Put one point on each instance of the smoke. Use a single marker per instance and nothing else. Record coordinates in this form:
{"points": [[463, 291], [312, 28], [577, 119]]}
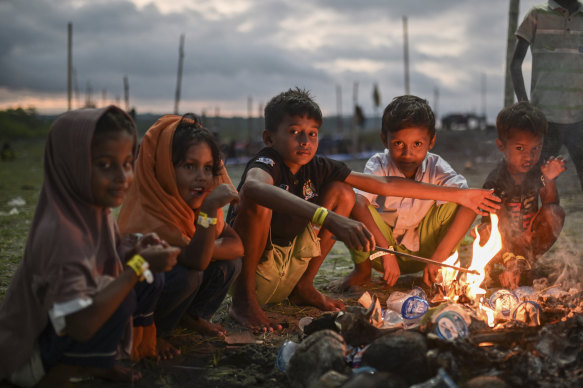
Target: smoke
{"points": [[563, 265]]}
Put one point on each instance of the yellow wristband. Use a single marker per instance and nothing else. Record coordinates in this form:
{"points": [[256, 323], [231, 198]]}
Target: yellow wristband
{"points": [[141, 268], [507, 257], [319, 216], [205, 221]]}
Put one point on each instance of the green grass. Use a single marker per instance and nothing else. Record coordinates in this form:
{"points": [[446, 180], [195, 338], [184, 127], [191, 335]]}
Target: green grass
{"points": [[21, 177]]}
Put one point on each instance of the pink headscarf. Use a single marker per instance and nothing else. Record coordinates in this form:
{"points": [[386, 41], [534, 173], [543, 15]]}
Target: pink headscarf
{"points": [[71, 248]]}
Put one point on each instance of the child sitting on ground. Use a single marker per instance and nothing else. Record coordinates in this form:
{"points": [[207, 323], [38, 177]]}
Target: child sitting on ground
{"points": [[178, 195], [520, 179], [70, 300], [424, 227], [293, 201]]}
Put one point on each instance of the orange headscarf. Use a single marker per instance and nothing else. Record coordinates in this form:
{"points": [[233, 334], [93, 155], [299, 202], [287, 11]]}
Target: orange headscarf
{"points": [[153, 203]]}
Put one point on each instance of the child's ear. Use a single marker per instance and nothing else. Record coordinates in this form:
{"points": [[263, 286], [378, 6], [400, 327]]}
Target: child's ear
{"points": [[500, 144], [267, 138], [384, 139], [432, 142]]}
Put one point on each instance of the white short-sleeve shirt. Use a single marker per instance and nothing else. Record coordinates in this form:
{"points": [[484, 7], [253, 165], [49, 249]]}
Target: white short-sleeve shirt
{"points": [[405, 214]]}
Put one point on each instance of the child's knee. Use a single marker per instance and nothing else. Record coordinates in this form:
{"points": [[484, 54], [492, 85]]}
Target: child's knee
{"points": [[339, 197], [552, 218]]}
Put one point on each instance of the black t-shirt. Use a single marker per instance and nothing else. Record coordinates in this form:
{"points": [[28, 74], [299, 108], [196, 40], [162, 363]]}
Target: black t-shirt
{"points": [[307, 183], [520, 201]]}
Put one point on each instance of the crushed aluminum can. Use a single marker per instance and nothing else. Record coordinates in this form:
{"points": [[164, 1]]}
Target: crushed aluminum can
{"points": [[503, 301], [527, 312], [450, 325]]}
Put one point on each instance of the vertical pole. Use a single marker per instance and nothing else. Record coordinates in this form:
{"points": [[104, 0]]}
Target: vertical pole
{"points": [[339, 108], [484, 107], [126, 92], [249, 117], [179, 77], [510, 44], [354, 119], [436, 102], [406, 54], [69, 64]]}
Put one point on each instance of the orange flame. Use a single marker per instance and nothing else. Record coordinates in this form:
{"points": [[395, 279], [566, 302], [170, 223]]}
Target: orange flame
{"points": [[481, 257], [470, 282]]}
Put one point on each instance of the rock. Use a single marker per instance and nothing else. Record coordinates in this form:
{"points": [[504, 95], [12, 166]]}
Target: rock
{"points": [[317, 354], [401, 353]]}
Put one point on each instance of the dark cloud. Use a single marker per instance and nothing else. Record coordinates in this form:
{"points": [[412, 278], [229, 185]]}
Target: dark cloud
{"points": [[257, 52]]}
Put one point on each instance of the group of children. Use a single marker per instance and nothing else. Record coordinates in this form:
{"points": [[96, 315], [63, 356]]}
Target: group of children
{"points": [[172, 256]]}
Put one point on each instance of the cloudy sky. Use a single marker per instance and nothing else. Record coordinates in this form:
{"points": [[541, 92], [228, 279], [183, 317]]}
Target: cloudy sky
{"points": [[236, 49]]}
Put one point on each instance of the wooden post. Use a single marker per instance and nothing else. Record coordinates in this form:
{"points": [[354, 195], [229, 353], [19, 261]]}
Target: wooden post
{"points": [[406, 54], [339, 109], [126, 92], [179, 77], [510, 45], [69, 64]]}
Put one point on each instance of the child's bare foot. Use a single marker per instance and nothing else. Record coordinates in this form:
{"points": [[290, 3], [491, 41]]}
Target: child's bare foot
{"points": [[307, 295], [202, 326], [117, 373], [166, 351], [250, 314]]}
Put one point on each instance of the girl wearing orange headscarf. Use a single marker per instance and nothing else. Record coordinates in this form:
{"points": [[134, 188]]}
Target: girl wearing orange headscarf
{"points": [[179, 190]]}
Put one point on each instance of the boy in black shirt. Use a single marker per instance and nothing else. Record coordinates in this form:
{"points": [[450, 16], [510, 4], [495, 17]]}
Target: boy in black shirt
{"points": [[293, 201]]}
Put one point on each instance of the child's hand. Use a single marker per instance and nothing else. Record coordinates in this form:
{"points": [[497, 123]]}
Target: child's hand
{"points": [[430, 274], [222, 195], [149, 240], [392, 270], [480, 201], [509, 279], [553, 167], [352, 233], [160, 259]]}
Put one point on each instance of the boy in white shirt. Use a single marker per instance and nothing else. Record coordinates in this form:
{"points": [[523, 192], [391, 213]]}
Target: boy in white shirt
{"points": [[426, 228]]}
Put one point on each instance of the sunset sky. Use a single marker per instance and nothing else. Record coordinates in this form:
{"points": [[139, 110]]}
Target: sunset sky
{"points": [[240, 48]]}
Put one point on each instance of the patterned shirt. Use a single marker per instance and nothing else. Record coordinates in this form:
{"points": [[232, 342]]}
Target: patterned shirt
{"points": [[405, 214], [556, 44], [307, 184], [519, 201]]}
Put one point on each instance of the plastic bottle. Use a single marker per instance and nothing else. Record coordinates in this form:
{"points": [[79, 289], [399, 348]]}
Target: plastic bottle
{"points": [[284, 355], [409, 306], [450, 325], [503, 302]]}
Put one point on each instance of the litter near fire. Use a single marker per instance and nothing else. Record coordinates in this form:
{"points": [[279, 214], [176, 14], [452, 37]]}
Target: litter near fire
{"points": [[454, 331]]}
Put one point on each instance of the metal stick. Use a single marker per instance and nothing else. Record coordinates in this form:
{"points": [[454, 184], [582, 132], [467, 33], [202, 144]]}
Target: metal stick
{"points": [[424, 260]]}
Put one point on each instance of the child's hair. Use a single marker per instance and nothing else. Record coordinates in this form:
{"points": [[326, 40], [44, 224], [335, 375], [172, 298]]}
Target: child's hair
{"points": [[114, 120], [523, 116], [294, 102], [190, 132], [408, 111]]}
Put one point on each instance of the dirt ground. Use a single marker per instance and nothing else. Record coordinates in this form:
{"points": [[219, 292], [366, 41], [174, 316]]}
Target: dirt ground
{"points": [[246, 359]]}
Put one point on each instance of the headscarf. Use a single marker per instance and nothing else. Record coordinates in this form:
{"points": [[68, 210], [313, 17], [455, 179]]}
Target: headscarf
{"points": [[71, 248], [153, 203]]}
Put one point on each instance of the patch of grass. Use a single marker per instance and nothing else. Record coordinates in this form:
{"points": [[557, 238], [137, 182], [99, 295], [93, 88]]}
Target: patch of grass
{"points": [[19, 178]]}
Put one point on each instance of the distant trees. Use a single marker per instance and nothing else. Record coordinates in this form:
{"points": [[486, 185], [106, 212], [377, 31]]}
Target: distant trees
{"points": [[22, 123]]}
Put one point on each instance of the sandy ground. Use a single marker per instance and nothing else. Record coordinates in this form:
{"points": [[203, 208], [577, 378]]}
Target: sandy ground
{"points": [[248, 359]]}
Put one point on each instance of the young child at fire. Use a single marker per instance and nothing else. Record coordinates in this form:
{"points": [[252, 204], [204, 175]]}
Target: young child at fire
{"points": [[528, 229], [293, 201], [424, 227], [69, 304], [178, 194]]}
